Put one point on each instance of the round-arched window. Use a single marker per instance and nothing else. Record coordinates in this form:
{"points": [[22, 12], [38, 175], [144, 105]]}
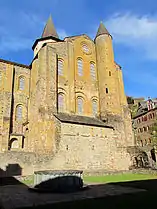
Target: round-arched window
{"points": [[94, 107], [80, 105], [19, 111], [61, 102], [60, 67], [80, 67], [21, 83], [92, 70]]}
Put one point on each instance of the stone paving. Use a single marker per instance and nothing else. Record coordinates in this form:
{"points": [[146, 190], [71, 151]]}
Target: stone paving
{"points": [[18, 196]]}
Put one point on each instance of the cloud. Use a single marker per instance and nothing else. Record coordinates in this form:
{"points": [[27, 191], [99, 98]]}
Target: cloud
{"points": [[62, 33], [138, 32]]}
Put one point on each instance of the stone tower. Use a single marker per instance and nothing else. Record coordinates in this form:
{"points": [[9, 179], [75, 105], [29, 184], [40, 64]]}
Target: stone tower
{"points": [[43, 98], [113, 104], [49, 35], [107, 74]]}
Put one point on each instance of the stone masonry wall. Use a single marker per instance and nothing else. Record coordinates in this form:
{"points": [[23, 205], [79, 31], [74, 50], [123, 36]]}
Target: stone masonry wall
{"points": [[89, 148], [80, 147]]}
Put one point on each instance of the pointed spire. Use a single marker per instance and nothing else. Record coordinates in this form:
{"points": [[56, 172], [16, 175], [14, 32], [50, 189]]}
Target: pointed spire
{"points": [[102, 30], [49, 29]]}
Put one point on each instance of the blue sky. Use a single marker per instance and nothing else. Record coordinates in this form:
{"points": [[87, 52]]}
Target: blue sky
{"points": [[132, 23]]}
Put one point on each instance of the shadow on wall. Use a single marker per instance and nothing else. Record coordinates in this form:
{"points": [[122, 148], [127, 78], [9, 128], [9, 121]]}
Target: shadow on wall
{"points": [[7, 176]]}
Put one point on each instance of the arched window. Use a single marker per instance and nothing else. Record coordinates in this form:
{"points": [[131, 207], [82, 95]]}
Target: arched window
{"points": [[60, 67], [109, 73], [94, 107], [106, 90], [80, 67], [21, 83], [19, 112], [92, 70], [13, 143], [80, 105], [61, 102]]}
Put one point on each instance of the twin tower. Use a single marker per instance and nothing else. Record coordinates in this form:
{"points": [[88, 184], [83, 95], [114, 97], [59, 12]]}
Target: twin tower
{"points": [[109, 89], [75, 77]]}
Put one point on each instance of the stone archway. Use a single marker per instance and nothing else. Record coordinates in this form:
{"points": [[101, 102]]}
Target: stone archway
{"points": [[13, 144], [153, 155]]}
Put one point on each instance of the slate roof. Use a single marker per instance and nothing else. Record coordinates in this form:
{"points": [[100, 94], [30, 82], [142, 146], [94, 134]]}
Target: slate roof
{"points": [[82, 120], [102, 30], [49, 29]]}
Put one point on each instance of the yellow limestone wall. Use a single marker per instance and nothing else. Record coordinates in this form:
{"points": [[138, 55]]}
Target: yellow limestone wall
{"points": [[43, 132]]}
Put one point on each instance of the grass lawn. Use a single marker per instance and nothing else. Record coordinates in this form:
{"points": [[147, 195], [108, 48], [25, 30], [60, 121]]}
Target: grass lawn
{"points": [[107, 178], [118, 178]]}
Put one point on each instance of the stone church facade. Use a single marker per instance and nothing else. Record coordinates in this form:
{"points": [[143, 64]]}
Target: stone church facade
{"points": [[69, 104]]}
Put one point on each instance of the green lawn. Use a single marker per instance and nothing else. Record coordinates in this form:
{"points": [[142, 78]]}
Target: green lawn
{"points": [[118, 178], [107, 178]]}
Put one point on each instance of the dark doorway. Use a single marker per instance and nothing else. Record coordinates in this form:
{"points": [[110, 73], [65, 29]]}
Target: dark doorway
{"points": [[153, 155]]}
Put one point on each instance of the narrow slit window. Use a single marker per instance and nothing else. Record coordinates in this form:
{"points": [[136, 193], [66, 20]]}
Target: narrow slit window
{"points": [[109, 73], [106, 90]]}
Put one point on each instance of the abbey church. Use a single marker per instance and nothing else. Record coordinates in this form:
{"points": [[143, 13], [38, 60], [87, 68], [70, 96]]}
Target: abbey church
{"points": [[68, 104]]}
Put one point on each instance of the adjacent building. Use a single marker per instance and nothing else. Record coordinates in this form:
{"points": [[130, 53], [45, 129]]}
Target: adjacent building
{"points": [[143, 121]]}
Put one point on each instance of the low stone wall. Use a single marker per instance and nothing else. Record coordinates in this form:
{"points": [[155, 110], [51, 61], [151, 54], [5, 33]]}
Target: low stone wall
{"points": [[21, 163], [25, 163]]}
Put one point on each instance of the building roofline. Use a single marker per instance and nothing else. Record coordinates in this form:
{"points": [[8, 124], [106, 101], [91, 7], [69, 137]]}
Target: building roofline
{"points": [[143, 113], [78, 36], [14, 63], [102, 35], [81, 120], [45, 38]]}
